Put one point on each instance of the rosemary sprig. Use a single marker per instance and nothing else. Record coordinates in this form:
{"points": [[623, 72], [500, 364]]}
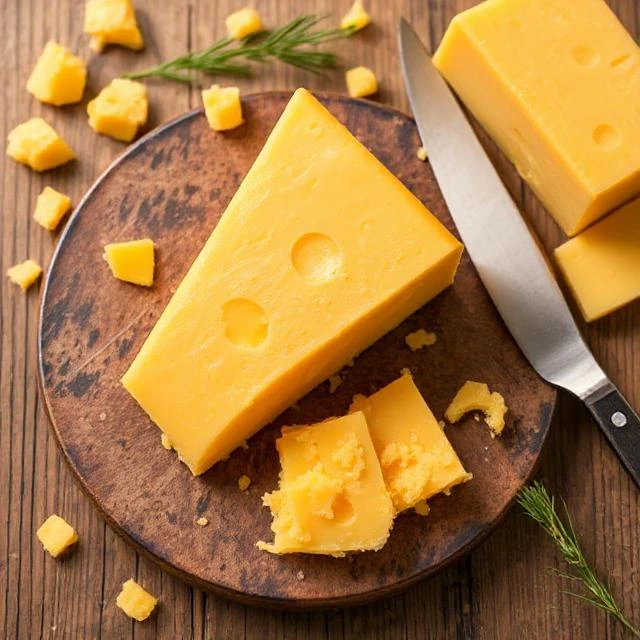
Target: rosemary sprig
{"points": [[537, 503], [292, 44]]}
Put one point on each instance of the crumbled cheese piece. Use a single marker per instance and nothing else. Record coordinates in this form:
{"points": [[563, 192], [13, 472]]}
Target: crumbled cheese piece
{"points": [[419, 339], [51, 206], [244, 445], [59, 77], [37, 144], [476, 417], [421, 508], [356, 18], [244, 482], [135, 601], [103, 416], [442, 423], [56, 535], [334, 382], [243, 23], [350, 363], [421, 154], [25, 273], [202, 521], [166, 443], [112, 22], [475, 396], [361, 82], [300, 576], [222, 107], [131, 261], [405, 371]]}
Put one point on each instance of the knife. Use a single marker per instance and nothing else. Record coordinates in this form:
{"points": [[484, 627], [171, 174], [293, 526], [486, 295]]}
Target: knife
{"points": [[506, 255]]}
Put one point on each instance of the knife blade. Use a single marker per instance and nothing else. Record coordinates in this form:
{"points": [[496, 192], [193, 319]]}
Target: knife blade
{"points": [[506, 255]]}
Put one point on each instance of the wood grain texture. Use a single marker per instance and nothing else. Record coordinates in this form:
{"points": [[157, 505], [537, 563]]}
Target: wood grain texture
{"points": [[502, 590]]}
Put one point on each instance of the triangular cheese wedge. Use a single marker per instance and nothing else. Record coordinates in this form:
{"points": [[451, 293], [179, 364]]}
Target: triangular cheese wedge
{"points": [[320, 252]]}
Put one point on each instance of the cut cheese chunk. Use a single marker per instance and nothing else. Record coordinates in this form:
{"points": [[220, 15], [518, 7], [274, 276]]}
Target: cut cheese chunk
{"points": [[361, 82], [112, 22], [602, 264], [243, 23], [51, 206], [475, 396], [37, 144], [222, 107], [135, 601], [306, 269], [419, 339], [356, 18], [56, 535], [25, 273], [332, 498], [557, 84], [132, 261], [417, 459]]}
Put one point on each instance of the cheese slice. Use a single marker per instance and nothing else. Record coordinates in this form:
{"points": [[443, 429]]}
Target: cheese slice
{"points": [[320, 252], [556, 83], [332, 498], [416, 457], [602, 264]]}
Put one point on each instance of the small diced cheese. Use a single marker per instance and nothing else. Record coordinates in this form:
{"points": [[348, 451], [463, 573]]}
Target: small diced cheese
{"points": [[36, 144], [131, 261], [135, 601], [119, 110], [361, 82], [356, 18], [202, 521], [166, 443], [420, 338], [421, 508], [112, 22], [243, 23], [244, 482], [602, 264], [25, 273], [59, 77], [51, 207], [475, 396], [222, 107], [56, 535], [334, 382]]}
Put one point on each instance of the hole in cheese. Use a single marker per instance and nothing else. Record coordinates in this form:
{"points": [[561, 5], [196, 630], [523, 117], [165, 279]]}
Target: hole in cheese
{"points": [[585, 56], [343, 512], [246, 323], [606, 136], [316, 257]]}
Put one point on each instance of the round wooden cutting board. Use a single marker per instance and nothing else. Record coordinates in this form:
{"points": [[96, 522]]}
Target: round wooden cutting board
{"points": [[173, 186]]}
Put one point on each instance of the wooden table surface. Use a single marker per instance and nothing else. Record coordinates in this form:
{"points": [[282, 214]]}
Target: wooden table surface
{"points": [[502, 590]]}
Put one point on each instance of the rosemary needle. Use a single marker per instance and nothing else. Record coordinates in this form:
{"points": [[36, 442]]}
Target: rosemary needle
{"points": [[537, 503], [292, 44]]}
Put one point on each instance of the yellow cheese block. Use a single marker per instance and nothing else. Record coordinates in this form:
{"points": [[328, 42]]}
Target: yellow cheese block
{"points": [[112, 22], [25, 273], [38, 145], [51, 206], [602, 264], [306, 269], [56, 535], [131, 261], [361, 82], [243, 23], [135, 601], [356, 18], [557, 84], [475, 396], [332, 497], [417, 459], [222, 107]]}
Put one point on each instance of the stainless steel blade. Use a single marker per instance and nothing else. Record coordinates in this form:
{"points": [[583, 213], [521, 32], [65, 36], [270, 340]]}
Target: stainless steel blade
{"points": [[505, 254]]}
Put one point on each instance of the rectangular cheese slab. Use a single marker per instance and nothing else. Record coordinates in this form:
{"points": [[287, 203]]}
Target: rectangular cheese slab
{"points": [[602, 264], [556, 83], [332, 498], [320, 252], [416, 457]]}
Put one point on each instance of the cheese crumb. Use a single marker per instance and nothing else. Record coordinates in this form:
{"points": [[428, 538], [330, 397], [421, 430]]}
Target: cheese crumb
{"points": [[202, 521], [135, 601], [475, 396], [56, 535], [361, 82], [442, 423], [25, 273], [103, 416], [356, 18], [419, 339], [334, 382], [244, 482], [351, 362], [166, 443], [300, 576], [405, 371], [421, 154], [244, 445], [421, 508]]}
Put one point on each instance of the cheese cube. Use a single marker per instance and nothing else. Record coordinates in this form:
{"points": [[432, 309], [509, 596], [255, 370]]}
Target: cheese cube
{"points": [[361, 82], [222, 107], [59, 77], [416, 458], [325, 272], [556, 83], [243, 23], [602, 264], [131, 261], [51, 207], [119, 109], [332, 498], [135, 601], [356, 18], [25, 273], [112, 22], [475, 396], [35, 143], [56, 535]]}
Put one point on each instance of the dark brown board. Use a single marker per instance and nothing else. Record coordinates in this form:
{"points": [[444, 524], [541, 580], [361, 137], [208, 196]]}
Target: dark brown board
{"points": [[173, 186]]}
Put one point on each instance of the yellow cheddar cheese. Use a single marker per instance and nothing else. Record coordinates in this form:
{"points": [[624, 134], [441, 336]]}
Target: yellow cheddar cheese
{"points": [[56, 535], [332, 498], [222, 107], [51, 207], [556, 83], [361, 82], [59, 77], [131, 261], [135, 601], [602, 264], [416, 457], [25, 273], [475, 396], [305, 270], [119, 110], [243, 23], [356, 18], [243, 482], [112, 22], [37, 144], [419, 339]]}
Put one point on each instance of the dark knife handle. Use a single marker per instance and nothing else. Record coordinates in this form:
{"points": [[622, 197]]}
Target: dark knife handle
{"points": [[620, 424]]}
